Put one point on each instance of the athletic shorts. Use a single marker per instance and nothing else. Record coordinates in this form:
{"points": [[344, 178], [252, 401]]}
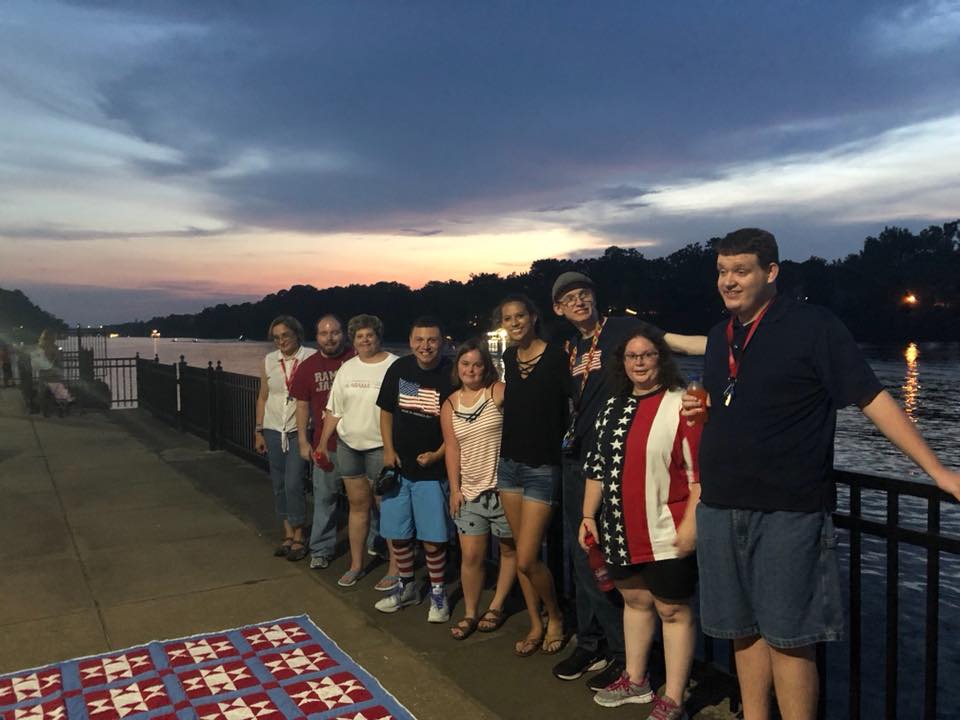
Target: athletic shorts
{"points": [[417, 509], [674, 579]]}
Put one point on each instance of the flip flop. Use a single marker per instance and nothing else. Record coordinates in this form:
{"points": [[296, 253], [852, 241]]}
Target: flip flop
{"points": [[528, 646], [552, 645], [493, 623], [387, 583], [465, 628]]}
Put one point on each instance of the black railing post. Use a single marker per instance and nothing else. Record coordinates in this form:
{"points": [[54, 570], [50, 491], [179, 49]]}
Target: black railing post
{"points": [[933, 613], [893, 603], [211, 407], [178, 374], [217, 420], [853, 707]]}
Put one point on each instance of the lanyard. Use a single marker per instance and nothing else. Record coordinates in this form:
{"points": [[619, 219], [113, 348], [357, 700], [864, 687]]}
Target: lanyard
{"points": [[589, 358], [732, 363], [288, 379]]}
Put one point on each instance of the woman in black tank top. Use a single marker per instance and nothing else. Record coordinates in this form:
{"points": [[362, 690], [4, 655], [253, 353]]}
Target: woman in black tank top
{"points": [[528, 474]]}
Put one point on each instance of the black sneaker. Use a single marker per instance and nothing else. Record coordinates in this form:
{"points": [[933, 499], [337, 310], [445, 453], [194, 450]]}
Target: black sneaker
{"points": [[579, 662], [609, 675]]}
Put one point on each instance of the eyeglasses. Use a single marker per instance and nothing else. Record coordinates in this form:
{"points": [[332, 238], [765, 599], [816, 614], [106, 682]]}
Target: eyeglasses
{"points": [[643, 357], [571, 299], [282, 336]]}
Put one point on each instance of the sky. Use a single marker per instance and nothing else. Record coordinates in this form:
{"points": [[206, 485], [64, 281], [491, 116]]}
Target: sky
{"points": [[160, 157]]}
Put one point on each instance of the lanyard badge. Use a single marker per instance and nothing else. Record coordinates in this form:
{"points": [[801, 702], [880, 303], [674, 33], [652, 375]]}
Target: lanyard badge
{"points": [[733, 364]]}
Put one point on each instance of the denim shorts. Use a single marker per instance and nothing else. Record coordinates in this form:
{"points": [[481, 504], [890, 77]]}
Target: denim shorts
{"points": [[417, 509], [540, 484], [482, 515], [773, 574], [356, 463]]}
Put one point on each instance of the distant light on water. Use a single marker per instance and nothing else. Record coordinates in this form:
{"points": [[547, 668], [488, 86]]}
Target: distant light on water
{"points": [[911, 382], [910, 299]]}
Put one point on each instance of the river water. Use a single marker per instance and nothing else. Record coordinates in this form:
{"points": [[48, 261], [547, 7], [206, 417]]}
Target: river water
{"points": [[925, 379]]}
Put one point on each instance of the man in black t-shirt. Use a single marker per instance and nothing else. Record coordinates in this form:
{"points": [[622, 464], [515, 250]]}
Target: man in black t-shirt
{"points": [[777, 372], [412, 392], [600, 644]]}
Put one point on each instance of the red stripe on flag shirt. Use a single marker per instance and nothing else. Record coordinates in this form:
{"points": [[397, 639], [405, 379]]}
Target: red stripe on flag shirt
{"points": [[645, 457]]}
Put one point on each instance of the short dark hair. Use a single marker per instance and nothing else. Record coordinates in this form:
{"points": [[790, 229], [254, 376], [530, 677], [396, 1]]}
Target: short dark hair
{"points": [[490, 373], [521, 299], [291, 322], [427, 321], [751, 241], [364, 322], [330, 316], [668, 373]]}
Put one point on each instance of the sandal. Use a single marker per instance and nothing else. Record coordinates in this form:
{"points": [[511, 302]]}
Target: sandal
{"points": [[387, 583], [283, 548], [298, 551], [491, 621], [350, 577], [528, 646], [552, 644], [463, 629]]}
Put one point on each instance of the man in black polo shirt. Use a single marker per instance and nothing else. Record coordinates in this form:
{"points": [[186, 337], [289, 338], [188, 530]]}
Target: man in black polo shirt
{"points": [[776, 373]]}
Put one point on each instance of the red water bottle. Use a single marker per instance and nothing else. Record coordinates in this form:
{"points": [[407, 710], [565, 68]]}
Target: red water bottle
{"points": [[697, 389], [322, 460], [597, 563]]}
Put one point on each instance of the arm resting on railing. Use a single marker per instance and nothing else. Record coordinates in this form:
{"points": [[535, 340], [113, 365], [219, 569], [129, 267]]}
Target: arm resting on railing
{"points": [[892, 421]]}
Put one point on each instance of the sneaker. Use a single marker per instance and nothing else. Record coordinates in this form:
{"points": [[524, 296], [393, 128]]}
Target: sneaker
{"points": [[319, 563], [666, 709], [607, 677], [439, 608], [401, 597], [622, 691], [579, 662], [349, 578]]}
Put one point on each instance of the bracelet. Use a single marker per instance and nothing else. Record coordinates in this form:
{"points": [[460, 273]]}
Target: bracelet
{"points": [[589, 517], [258, 429]]}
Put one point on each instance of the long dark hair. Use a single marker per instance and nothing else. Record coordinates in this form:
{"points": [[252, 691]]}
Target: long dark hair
{"points": [[490, 374], [668, 373]]}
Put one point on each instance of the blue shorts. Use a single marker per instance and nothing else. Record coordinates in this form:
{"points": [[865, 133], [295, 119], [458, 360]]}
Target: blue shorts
{"points": [[483, 515], [357, 463], [773, 574], [417, 509], [540, 484]]}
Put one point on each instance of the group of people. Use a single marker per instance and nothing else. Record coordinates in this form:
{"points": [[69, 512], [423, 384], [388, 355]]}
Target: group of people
{"points": [[598, 425]]}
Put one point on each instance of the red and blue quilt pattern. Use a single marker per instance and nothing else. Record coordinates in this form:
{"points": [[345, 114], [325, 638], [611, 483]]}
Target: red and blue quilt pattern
{"points": [[284, 669]]}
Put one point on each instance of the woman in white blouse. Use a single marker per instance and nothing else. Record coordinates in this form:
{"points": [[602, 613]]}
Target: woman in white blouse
{"points": [[276, 432], [353, 413]]}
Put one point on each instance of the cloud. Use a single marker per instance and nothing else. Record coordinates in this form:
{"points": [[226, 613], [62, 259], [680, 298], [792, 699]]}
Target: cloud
{"points": [[921, 28]]}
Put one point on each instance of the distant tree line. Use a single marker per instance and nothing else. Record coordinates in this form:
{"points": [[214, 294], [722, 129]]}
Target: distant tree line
{"points": [[899, 286], [21, 320]]}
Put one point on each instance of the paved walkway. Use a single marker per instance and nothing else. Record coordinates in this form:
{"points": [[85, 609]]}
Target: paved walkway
{"points": [[116, 530]]}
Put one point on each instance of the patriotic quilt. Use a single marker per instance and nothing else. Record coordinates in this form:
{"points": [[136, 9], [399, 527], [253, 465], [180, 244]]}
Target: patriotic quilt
{"points": [[285, 669]]}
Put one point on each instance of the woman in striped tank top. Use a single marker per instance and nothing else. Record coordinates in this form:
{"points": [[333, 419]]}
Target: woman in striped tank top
{"points": [[472, 421]]}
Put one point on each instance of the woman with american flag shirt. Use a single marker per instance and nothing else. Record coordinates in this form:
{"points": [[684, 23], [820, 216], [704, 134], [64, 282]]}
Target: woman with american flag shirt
{"points": [[642, 467]]}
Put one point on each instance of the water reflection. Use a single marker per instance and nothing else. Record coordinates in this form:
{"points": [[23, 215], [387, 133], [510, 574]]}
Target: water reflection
{"points": [[911, 382]]}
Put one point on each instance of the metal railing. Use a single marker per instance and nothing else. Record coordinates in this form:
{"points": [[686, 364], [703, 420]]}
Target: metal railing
{"points": [[94, 382], [895, 532]]}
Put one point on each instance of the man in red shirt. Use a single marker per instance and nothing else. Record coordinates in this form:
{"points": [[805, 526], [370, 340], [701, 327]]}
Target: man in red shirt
{"points": [[311, 388]]}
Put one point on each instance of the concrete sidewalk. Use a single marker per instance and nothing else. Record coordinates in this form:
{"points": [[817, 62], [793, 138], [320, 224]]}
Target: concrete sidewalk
{"points": [[116, 530]]}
